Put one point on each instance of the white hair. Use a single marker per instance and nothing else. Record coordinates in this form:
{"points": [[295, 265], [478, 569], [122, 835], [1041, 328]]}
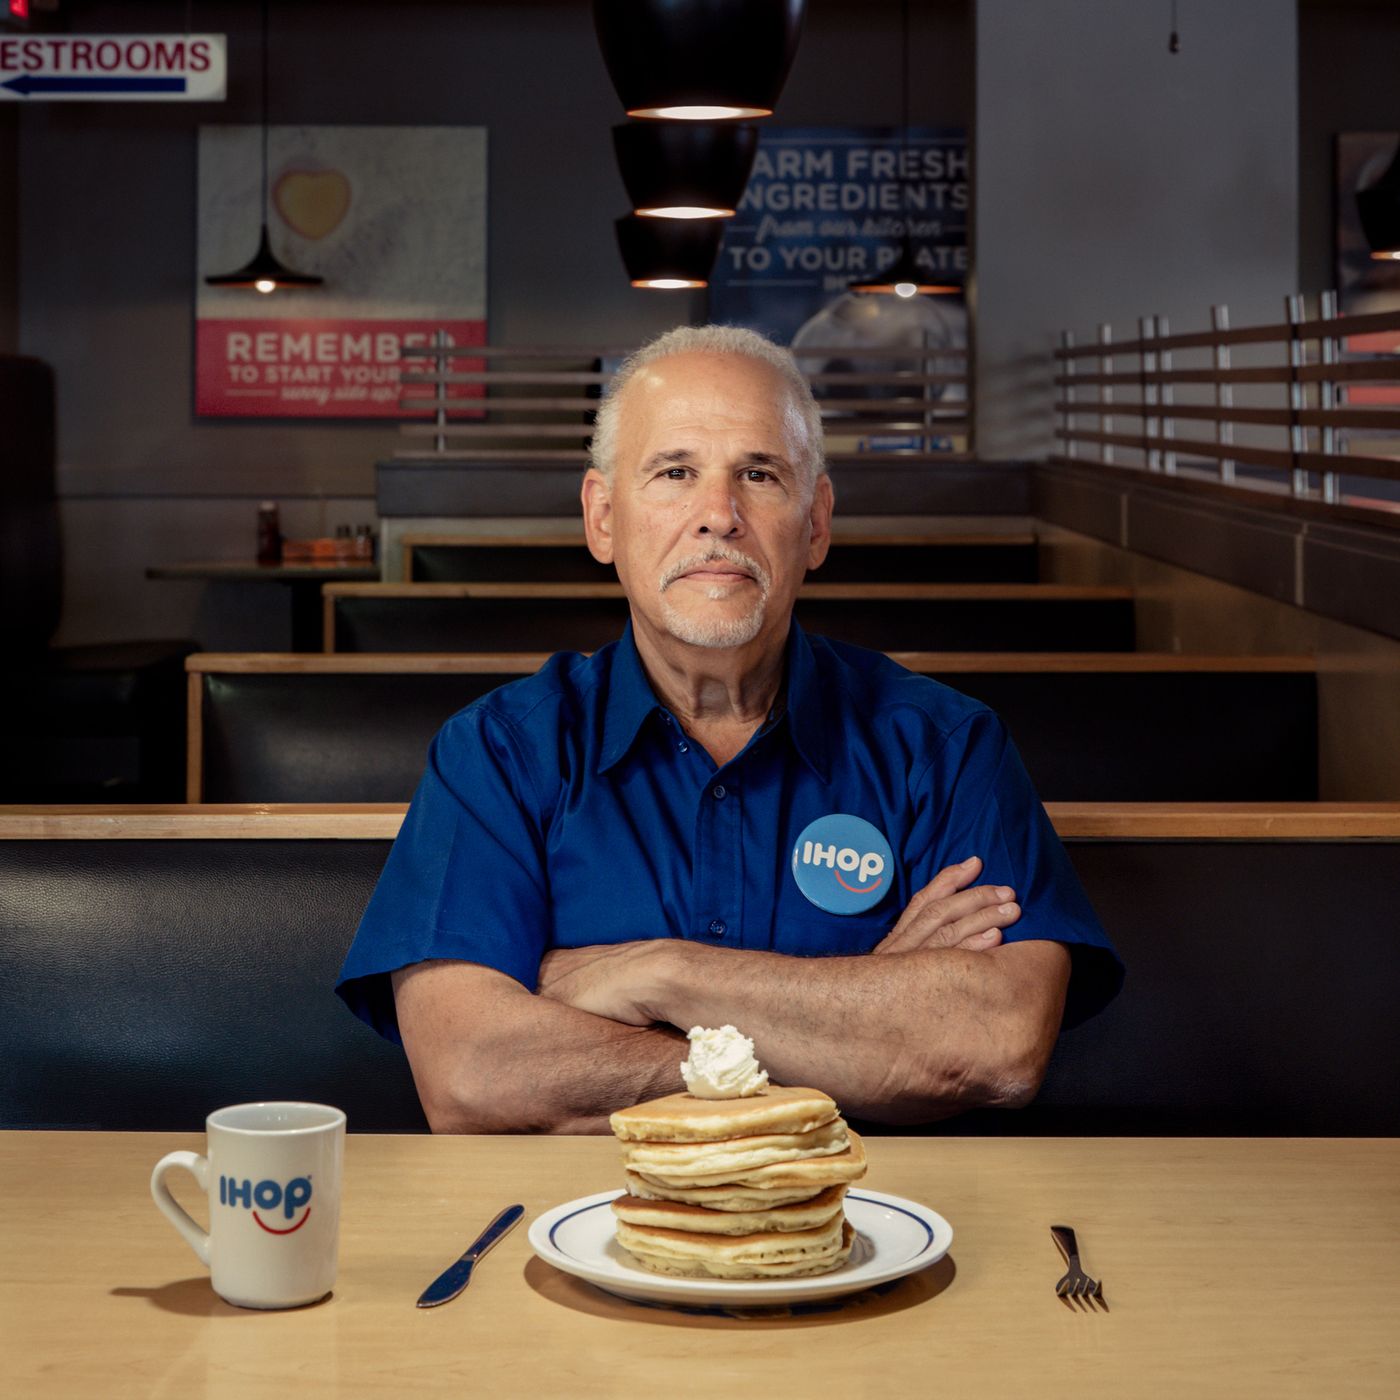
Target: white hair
{"points": [[802, 412]]}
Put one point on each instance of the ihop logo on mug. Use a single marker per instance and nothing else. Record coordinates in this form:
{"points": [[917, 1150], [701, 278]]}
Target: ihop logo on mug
{"points": [[842, 864], [268, 1196]]}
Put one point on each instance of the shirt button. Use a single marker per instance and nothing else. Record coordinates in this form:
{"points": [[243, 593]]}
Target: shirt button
{"points": [[718, 791], [717, 927], [684, 748]]}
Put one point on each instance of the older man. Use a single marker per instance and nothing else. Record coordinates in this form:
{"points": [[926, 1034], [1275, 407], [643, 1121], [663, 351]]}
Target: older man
{"points": [[720, 819]]}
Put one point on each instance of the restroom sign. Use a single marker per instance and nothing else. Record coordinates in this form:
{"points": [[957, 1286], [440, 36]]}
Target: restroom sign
{"points": [[113, 68]]}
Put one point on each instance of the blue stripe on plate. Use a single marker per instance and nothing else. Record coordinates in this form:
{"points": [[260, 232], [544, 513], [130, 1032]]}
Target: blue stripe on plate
{"points": [[851, 1196]]}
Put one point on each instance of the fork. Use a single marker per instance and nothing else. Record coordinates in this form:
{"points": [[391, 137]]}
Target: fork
{"points": [[1076, 1283]]}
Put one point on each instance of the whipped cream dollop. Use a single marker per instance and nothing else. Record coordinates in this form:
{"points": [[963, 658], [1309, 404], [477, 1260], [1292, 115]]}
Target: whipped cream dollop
{"points": [[722, 1065]]}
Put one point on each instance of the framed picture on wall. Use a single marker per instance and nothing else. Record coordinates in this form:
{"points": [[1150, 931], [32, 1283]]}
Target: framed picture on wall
{"points": [[393, 218]]}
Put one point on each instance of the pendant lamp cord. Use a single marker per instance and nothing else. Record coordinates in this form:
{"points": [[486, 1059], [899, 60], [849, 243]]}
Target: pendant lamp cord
{"points": [[1174, 42], [264, 113], [904, 117]]}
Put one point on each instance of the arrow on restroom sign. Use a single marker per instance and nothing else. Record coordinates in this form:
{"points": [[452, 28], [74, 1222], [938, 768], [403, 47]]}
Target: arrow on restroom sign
{"points": [[27, 86]]}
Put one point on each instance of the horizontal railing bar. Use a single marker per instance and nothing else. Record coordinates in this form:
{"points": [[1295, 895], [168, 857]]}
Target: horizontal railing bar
{"points": [[484, 404], [559, 456], [1351, 371], [1383, 468], [897, 404], [524, 352], [601, 352], [1379, 419], [1281, 331], [1263, 374], [864, 427], [893, 379], [454, 428], [881, 352], [509, 376]]}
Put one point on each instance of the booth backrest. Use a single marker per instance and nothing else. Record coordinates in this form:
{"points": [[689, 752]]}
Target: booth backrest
{"points": [[1091, 727], [144, 981], [853, 558], [471, 617]]}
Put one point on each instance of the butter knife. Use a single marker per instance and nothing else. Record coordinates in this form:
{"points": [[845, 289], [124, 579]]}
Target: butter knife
{"points": [[457, 1276]]}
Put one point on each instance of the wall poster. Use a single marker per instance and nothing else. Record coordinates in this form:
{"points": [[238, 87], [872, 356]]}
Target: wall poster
{"points": [[825, 205], [394, 220]]}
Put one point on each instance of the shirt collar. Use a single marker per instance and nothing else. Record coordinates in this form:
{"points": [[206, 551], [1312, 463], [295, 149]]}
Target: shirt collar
{"points": [[631, 701]]}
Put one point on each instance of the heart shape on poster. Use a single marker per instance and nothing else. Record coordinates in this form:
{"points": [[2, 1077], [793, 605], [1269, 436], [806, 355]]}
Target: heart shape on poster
{"points": [[313, 202]]}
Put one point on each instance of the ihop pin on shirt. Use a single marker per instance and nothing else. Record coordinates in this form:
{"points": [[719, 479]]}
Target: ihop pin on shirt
{"points": [[842, 864]]}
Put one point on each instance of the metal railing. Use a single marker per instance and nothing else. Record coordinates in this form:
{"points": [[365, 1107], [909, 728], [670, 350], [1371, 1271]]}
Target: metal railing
{"points": [[1324, 410], [534, 405]]}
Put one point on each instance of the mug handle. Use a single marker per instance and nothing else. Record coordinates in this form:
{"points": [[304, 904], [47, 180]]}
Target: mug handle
{"points": [[178, 1216]]}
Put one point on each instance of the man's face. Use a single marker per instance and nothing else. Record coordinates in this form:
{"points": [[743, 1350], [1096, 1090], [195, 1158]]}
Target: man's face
{"points": [[709, 516]]}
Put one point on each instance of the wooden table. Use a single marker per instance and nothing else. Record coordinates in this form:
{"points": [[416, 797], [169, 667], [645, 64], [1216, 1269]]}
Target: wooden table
{"points": [[302, 580], [1232, 1267]]}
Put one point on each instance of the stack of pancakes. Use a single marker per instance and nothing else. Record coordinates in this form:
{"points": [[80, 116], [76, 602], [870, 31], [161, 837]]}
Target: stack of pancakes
{"points": [[737, 1188]]}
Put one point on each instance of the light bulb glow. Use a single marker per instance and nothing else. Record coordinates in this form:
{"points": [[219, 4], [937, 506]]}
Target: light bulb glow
{"points": [[1386, 255], [668, 284], [905, 289], [265, 285], [685, 211], [700, 113]]}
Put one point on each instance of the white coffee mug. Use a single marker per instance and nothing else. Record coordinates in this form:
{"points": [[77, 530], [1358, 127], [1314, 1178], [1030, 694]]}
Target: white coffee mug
{"points": [[273, 1180]]}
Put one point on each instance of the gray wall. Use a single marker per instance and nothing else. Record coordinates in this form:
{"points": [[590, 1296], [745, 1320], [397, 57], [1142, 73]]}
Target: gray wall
{"points": [[1347, 59], [1113, 179], [107, 247]]}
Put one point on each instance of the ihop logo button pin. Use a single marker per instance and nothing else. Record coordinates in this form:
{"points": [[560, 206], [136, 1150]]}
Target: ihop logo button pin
{"points": [[842, 864]]}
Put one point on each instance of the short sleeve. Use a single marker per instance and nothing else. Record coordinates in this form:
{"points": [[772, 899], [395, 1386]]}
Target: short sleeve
{"points": [[976, 799], [466, 877]]}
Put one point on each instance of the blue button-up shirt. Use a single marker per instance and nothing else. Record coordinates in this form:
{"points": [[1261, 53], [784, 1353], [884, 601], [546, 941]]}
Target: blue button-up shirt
{"points": [[571, 808]]}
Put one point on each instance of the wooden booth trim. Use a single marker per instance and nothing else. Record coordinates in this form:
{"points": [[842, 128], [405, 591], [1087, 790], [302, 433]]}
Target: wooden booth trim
{"points": [[379, 821], [920, 662]]}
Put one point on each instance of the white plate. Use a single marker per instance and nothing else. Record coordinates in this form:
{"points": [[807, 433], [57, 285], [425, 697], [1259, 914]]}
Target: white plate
{"points": [[894, 1237]]}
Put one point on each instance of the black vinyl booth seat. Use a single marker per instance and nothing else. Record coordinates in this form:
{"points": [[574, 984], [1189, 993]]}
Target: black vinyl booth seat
{"points": [[144, 981], [1098, 727], [149, 982], [389, 617], [852, 559]]}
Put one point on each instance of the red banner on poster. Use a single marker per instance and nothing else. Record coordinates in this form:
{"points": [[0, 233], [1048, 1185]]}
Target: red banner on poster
{"points": [[340, 368]]}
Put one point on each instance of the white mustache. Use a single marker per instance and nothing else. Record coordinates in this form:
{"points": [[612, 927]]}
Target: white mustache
{"points": [[717, 554]]}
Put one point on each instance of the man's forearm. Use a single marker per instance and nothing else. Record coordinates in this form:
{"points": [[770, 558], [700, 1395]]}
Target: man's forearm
{"points": [[901, 1038], [490, 1057]]}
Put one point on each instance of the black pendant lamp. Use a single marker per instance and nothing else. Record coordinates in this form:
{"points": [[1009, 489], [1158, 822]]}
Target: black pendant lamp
{"points": [[1379, 208], [904, 277], [685, 170], [669, 254], [264, 273], [698, 60]]}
